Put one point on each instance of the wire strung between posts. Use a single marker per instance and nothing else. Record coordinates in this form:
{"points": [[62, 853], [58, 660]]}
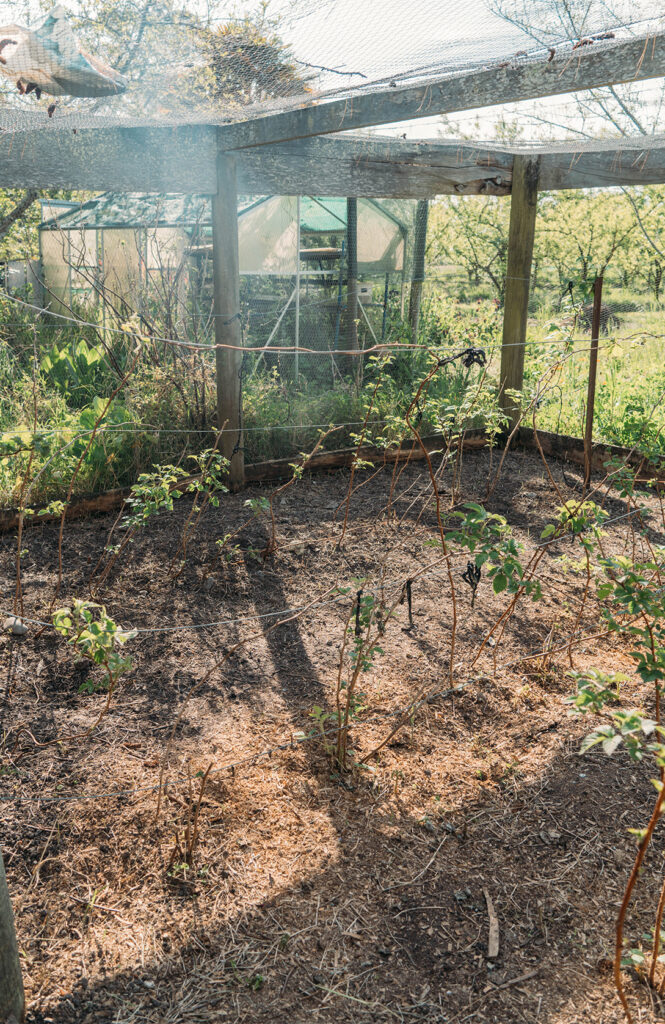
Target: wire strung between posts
{"points": [[391, 584], [252, 758], [147, 427], [283, 349]]}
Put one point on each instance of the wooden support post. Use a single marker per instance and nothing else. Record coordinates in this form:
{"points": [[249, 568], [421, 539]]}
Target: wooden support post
{"points": [[418, 275], [352, 274], [593, 367], [12, 1000], [523, 207], [226, 278]]}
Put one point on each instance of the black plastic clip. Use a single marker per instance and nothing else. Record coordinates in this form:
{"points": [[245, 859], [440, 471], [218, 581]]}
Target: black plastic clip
{"points": [[472, 577], [474, 356], [358, 629]]}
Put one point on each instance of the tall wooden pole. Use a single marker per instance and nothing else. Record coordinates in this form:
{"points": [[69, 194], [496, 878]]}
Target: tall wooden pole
{"points": [[418, 275], [523, 207], [593, 368], [226, 281], [12, 1000], [352, 274], [296, 357]]}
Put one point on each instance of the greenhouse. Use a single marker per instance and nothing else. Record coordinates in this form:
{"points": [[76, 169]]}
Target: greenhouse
{"points": [[136, 247]]}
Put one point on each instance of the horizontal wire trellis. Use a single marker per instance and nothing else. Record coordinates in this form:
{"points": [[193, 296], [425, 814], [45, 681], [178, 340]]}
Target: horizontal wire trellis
{"points": [[292, 349], [379, 587]]}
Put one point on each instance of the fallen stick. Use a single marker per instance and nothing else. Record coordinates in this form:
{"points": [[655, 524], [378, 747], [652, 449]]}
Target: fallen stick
{"points": [[513, 981], [493, 940]]}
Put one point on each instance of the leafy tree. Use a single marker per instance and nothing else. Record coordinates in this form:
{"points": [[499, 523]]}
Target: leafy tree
{"points": [[472, 232], [248, 63], [623, 109], [583, 231]]}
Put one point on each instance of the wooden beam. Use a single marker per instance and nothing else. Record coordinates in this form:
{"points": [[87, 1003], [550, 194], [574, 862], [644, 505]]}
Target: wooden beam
{"points": [[12, 1000], [418, 273], [129, 159], [255, 473], [601, 63], [559, 446], [566, 448], [523, 207], [226, 285], [182, 159]]}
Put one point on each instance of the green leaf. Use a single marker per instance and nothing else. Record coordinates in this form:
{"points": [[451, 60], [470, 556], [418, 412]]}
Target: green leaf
{"points": [[611, 744], [499, 583]]}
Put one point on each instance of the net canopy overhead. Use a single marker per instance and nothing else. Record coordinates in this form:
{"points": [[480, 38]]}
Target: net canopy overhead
{"points": [[103, 63]]}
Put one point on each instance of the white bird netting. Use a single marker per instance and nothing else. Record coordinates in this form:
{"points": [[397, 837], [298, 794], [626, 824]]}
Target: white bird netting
{"points": [[158, 63]]}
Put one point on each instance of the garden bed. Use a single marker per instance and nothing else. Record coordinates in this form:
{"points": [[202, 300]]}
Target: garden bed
{"points": [[315, 894]]}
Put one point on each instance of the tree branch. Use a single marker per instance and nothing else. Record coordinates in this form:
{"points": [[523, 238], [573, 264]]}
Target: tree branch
{"points": [[21, 207]]}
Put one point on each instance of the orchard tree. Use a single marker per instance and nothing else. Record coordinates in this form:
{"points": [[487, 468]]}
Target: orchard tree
{"points": [[583, 231], [645, 258], [472, 232]]}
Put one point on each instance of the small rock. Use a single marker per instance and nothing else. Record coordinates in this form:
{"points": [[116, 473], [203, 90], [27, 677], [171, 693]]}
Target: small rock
{"points": [[15, 626], [149, 984]]}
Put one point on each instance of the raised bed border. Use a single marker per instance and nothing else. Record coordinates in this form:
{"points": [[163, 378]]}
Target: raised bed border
{"points": [[562, 447]]}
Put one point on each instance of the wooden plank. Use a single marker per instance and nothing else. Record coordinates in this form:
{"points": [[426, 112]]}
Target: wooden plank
{"points": [[418, 272], [226, 288], [565, 448], [523, 207], [132, 159], [559, 446], [182, 159], [353, 166], [602, 63], [255, 473]]}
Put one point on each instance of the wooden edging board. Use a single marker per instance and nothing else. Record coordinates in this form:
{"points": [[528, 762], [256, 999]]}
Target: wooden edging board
{"points": [[255, 473], [559, 446], [571, 449]]}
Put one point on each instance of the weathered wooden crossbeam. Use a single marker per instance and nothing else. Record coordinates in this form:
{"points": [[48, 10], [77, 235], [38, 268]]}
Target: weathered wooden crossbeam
{"points": [[183, 160], [588, 67]]}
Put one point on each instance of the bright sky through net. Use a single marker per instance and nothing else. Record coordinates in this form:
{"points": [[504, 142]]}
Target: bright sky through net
{"points": [[338, 47]]}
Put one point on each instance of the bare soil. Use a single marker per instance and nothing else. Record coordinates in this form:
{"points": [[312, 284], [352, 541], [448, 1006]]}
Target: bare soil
{"points": [[317, 896]]}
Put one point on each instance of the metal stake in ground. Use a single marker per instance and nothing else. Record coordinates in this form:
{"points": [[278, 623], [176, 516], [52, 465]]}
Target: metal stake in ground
{"points": [[593, 367], [12, 1000]]}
